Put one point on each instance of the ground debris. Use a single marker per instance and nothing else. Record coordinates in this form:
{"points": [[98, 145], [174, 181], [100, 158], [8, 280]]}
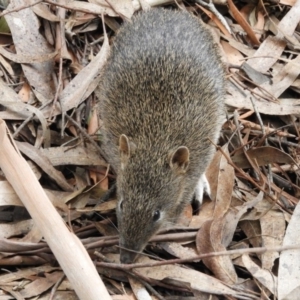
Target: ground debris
{"points": [[51, 56]]}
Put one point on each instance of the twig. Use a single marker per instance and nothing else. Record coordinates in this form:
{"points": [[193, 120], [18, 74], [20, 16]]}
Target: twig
{"points": [[269, 175], [211, 7], [271, 99], [285, 168], [287, 143], [144, 280], [256, 250], [57, 284], [85, 134], [20, 8], [29, 119]]}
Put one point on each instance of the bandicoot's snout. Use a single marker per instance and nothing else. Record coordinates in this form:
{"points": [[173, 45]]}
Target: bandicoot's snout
{"points": [[127, 257]]}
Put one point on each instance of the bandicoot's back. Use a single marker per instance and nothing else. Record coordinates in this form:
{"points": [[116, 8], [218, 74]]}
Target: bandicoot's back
{"points": [[161, 102]]}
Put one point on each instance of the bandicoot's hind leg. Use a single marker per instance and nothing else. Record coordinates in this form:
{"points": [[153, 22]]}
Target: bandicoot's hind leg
{"points": [[201, 188]]}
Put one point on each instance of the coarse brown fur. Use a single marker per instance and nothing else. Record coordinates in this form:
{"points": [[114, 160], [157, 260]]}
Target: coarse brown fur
{"points": [[162, 89]]}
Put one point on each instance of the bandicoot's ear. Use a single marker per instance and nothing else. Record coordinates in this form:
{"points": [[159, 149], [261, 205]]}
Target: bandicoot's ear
{"points": [[179, 161], [126, 148], [124, 145]]}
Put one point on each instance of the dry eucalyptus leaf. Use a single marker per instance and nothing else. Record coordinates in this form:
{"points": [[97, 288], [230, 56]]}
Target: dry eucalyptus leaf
{"points": [[197, 281], [66, 294], [27, 59], [272, 226], [78, 199], [242, 48], [272, 47], [81, 156], [24, 26], [7, 195], [225, 186], [105, 229], [178, 250], [288, 2], [205, 213], [124, 8], [25, 92], [41, 284], [255, 76], [25, 273], [9, 98], [244, 24], [210, 235], [289, 261], [283, 79], [209, 239], [123, 297], [19, 108], [42, 161], [242, 99], [138, 289], [83, 84], [262, 156], [33, 236], [15, 228], [44, 12], [5, 64], [265, 277], [106, 206], [220, 175]]}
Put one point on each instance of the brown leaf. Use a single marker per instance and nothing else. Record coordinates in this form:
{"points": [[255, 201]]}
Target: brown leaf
{"points": [[209, 240], [262, 156], [272, 225], [178, 250], [106, 206], [41, 284], [285, 106], [196, 280], [225, 186], [139, 289], [239, 18], [283, 79], [105, 229], [205, 213], [83, 84], [232, 54], [255, 76], [15, 228], [263, 276], [44, 163], [220, 175], [123, 297], [24, 26], [81, 156], [289, 263], [272, 47], [44, 12], [124, 8], [216, 20]]}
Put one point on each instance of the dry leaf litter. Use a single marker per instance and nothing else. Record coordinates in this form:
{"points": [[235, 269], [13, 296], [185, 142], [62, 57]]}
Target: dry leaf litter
{"points": [[51, 55]]}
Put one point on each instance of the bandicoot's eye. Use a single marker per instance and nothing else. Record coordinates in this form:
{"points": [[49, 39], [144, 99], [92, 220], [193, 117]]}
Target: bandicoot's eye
{"points": [[156, 215]]}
